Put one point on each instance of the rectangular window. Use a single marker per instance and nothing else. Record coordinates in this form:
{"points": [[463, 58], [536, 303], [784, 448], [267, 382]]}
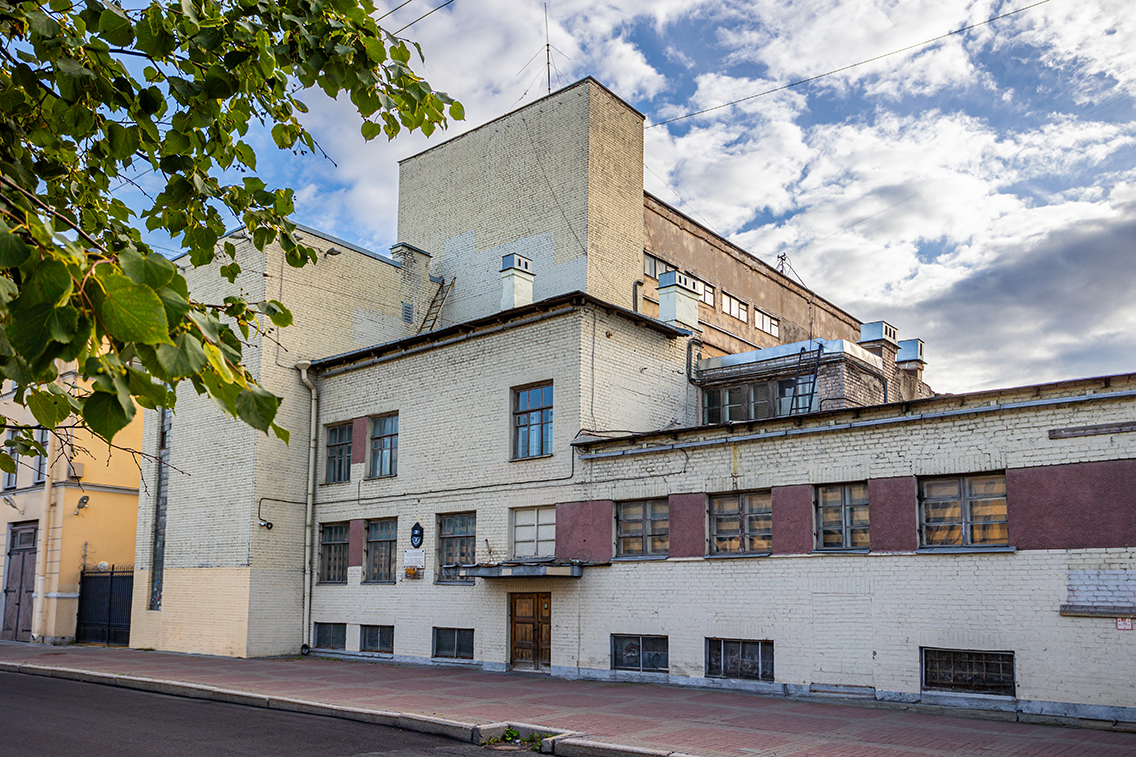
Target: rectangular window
{"points": [[805, 400], [381, 537], [969, 671], [654, 267], [643, 653], [40, 464], [457, 543], [705, 291], [331, 635], [735, 307], [339, 453], [333, 553], [532, 421], [10, 478], [767, 323], [842, 516], [534, 532], [376, 639], [734, 658], [726, 404], [642, 527], [962, 511], [453, 643], [741, 523], [384, 446]]}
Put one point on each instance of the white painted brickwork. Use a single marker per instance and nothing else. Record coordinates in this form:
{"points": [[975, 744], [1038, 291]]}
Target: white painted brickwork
{"points": [[1103, 587]]}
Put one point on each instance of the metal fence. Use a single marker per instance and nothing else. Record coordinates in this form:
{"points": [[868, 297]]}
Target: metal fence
{"points": [[104, 606]]}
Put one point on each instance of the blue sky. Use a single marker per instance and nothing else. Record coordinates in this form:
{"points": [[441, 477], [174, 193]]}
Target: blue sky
{"points": [[978, 193]]}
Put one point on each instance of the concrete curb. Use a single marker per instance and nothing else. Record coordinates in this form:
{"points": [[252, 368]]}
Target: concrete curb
{"points": [[557, 741]]}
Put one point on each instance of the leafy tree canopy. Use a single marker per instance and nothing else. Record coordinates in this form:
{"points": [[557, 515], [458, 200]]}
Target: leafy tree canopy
{"points": [[92, 94]]}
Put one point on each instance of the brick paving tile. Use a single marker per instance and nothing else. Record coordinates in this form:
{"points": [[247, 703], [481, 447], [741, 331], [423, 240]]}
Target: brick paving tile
{"points": [[787, 723], [577, 700], [1070, 749], [965, 723], [1095, 736], [601, 725], [490, 713], [853, 750], [703, 740], [840, 710], [668, 710], [943, 739]]}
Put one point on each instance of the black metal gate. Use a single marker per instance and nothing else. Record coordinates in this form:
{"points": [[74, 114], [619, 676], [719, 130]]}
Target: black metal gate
{"points": [[104, 606]]}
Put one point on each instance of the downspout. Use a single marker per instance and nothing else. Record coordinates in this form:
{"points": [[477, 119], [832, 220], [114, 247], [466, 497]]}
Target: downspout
{"points": [[635, 295], [309, 509], [40, 623]]}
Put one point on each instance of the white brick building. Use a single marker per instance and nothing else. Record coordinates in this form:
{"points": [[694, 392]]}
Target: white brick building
{"points": [[564, 427]]}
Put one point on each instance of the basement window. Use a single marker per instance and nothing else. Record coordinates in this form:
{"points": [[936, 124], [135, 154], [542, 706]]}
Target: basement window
{"points": [[646, 654], [734, 658], [453, 643], [331, 635], [376, 639], [968, 671]]}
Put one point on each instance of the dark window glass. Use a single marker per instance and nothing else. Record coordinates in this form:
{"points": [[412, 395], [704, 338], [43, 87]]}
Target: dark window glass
{"points": [[381, 539], [642, 527], [377, 639], [333, 553], [10, 478], [842, 516], [457, 543], [741, 523], [41, 460], [734, 658], [643, 653], [532, 421], [454, 643], [339, 453], [963, 511], [384, 446], [965, 670], [331, 635]]}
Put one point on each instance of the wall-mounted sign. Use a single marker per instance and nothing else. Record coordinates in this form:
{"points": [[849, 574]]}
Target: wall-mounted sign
{"points": [[1124, 624], [416, 535], [414, 558]]}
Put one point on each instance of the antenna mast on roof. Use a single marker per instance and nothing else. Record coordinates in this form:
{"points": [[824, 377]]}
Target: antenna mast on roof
{"points": [[547, 49]]}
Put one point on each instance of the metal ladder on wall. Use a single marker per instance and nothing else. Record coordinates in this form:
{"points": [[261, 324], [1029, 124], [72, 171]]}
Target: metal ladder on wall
{"points": [[803, 401], [435, 310]]}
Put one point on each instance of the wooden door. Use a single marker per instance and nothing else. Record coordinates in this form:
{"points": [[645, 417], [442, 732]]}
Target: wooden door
{"points": [[531, 621], [19, 584]]}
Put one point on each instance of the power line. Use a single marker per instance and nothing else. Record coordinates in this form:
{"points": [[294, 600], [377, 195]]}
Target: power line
{"points": [[854, 65], [443, 5], [380, 18]]}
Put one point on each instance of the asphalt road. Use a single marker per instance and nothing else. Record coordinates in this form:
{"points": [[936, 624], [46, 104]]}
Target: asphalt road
{"points": [[50, 717]]}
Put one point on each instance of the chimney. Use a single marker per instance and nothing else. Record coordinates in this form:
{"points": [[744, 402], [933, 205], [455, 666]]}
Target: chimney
{"points": [[910, 358], [678, 302], [879, 338], [516, 282]]}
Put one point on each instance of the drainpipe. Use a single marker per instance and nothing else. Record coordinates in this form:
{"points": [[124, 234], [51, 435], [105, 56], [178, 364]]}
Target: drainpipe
{"points": [[635, 295], [40, 606], [309, 510]]}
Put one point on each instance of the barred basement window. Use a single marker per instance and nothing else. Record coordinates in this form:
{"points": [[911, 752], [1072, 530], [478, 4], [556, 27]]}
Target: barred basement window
{"points": [[453, 643], [339, 453], [963, 511], [647, 654], [381, 536], [969, 671], [331, 635], [376, 639], [842, 516], [333, 553], [734, 658], [741, 523], [642, 527]]}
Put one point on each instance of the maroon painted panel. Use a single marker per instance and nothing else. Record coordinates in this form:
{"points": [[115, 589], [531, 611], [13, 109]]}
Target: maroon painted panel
{"points": [[358, 441], [1075, 506], [687, 525], [792, 519], [357, 535], [584, 530], [893, 514]]}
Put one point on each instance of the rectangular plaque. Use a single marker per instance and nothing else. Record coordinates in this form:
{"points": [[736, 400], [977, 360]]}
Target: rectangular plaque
{"points": [[1124, 624], [414, 558]]}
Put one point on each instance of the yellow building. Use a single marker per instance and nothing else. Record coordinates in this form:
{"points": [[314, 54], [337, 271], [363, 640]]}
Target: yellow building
{"points": [[73, 509]]}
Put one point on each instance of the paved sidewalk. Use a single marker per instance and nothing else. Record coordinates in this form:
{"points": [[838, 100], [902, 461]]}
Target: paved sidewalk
{"points": [[641, 718]]}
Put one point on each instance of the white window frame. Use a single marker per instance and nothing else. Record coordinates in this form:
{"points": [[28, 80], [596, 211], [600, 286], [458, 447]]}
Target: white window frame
{"points": [[732, 306], [537, 521], [763, 321]]}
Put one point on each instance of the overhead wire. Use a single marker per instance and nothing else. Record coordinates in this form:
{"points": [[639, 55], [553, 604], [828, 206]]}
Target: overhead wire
{"points": [[443, 5], [846, 68]]}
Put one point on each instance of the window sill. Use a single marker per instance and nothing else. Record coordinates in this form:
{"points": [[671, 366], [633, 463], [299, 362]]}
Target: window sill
{"points": [[736, 555], [965, 549], [453, 583], [331, 583], [530, 457], [843, 551], [379, 478], [638, 558], [385, 582], [334, 483], [456, 660]]}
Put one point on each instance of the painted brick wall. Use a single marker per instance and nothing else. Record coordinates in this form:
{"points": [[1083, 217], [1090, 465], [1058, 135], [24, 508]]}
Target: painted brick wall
{"points": [[584, 530], [792, 519], [1072, 506], [893, 514], [687, 525]]}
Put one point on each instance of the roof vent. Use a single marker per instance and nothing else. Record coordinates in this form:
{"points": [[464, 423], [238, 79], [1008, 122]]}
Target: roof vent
{"points": [[516, 281], [878, 331]]}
